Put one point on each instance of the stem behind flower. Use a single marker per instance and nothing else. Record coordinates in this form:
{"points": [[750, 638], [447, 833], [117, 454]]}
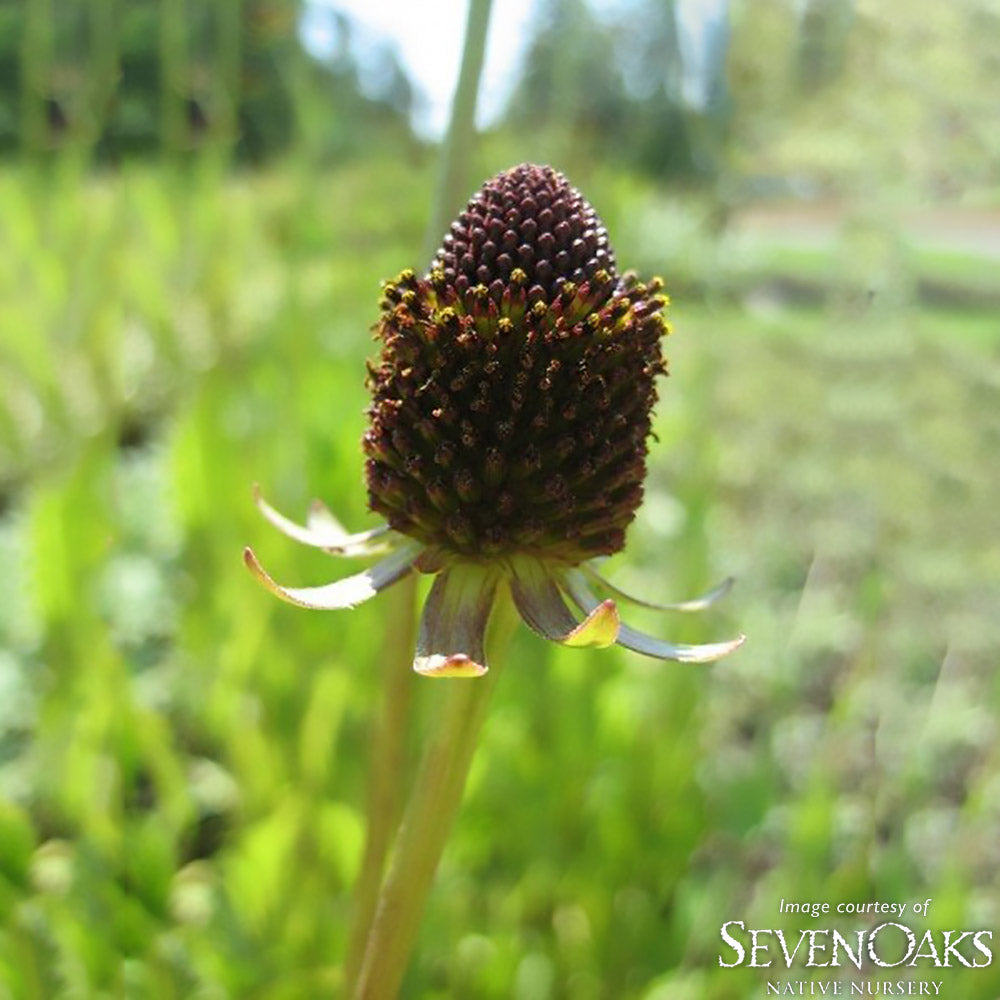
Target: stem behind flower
{"points": [[388, 766]]}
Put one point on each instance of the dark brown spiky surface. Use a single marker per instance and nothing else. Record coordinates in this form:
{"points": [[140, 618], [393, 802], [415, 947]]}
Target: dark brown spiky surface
{"points": [[528, 217], [511, 417]]}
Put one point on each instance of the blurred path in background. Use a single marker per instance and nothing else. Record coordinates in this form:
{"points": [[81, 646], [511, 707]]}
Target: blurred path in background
{"points": [[969, 230]]}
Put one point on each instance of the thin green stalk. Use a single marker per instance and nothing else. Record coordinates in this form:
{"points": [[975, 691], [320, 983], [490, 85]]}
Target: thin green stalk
{"points": [[37, 57], [453, 179], [173, 64], [430, 813], [388, 767]]}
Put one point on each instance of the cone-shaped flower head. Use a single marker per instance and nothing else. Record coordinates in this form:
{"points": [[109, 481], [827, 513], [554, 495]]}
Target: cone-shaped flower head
{"points": [[512, 399], [511, 408]]}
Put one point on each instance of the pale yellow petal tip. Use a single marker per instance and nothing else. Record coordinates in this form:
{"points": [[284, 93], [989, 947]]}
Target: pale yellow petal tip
{"points": [[319, 509], [599, 629], [253, 564], [456, 665]]}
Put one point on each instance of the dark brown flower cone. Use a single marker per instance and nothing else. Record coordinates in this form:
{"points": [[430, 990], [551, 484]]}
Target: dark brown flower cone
{"points": [[511, 402]]}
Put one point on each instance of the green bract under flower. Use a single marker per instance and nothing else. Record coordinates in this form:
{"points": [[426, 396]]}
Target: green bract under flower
{"points": [[511, 408]]}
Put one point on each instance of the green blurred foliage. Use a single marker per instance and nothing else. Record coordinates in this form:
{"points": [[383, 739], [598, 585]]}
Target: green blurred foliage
{"points": [[183, 759]]}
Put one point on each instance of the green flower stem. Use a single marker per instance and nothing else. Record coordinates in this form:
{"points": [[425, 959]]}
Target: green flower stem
{"points": [[388, 765], [433, 804]]}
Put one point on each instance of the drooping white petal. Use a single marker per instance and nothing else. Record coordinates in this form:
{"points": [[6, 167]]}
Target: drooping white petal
{"points": [[540, 604], [451, 641], [324, 531], [694, 604], [649, 645], [576, 586], [346, 593]]}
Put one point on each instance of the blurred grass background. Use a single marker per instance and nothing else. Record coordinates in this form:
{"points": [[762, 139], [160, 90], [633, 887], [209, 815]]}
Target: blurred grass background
{"points": [[194, 218]]}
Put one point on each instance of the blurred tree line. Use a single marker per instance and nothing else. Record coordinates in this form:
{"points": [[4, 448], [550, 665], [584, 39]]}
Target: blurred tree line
{"points": [[777, 90], [858, 95], [624, 84], [119, 78]]}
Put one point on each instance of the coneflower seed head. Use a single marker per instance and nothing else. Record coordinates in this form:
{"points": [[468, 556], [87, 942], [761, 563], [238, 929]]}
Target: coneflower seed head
{"points": [[512, 399]]}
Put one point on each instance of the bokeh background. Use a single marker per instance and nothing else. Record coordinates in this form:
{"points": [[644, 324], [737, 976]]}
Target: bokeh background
{"points": [[197, 204]]}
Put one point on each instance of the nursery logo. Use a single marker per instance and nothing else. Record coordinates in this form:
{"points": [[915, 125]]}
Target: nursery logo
{"points": [[888, 942]]}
